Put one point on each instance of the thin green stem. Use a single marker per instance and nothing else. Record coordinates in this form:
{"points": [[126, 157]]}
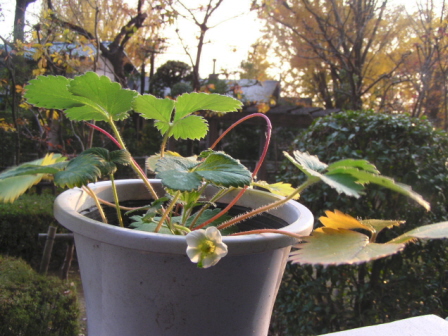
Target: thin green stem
{"points": [[164, 142], [134, 164], [97, 202], [117, 201], [167, 211]]}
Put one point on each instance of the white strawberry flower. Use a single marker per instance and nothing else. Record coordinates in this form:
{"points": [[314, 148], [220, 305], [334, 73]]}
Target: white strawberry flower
{"points": [[205, 247]]}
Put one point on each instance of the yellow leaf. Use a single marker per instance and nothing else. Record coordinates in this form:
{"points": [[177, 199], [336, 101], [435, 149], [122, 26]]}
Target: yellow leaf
{"points": [[5, 126], [12, 187], [25, 106], [263, 107], [53, 114], [340, 220], [280, 188]]}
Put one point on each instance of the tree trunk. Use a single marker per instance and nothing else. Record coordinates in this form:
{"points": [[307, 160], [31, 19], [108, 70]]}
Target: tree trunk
{"points": [[19, 19]]}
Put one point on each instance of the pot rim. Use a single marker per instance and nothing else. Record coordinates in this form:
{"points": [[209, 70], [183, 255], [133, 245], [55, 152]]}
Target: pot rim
{"points": [[68, 205]]}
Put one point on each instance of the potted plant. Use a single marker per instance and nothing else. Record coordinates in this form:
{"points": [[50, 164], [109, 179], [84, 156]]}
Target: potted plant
{"points": [[149, 272]]}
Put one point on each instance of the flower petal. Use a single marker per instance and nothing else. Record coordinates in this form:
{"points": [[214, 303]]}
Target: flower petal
{"points": [[213, 234], [210, 261], [194, 254], [194, 238]]}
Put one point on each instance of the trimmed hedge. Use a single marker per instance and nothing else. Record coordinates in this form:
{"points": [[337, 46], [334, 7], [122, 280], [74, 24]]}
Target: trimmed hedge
{"points": [[315, 300], [20, 224], [35, 305]]}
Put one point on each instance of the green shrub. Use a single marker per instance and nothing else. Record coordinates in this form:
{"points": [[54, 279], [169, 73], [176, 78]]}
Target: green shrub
{"points": [[35, 305], [20, 224], [313, 300], [180, 88]]}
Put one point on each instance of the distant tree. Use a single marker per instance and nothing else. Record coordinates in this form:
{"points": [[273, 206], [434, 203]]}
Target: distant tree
{"points": [[427, 68], [200, 16], [19, 18], [113, 22], [256, 65], [169, 74], [335, 45], [181, 88], [190, 13]]}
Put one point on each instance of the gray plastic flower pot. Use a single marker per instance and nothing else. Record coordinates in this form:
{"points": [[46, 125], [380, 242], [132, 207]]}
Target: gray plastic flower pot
{"points": [[140, 283]]}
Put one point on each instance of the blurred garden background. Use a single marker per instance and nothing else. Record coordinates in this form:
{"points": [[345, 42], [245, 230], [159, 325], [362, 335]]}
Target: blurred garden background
{"points": [[362, 79]]}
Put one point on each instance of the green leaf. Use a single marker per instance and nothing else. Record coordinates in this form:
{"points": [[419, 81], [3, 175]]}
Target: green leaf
{"points": [[349, 176], [223, 170], [361, 164], [51, 92], [85, 97], [343, 183], [80, 171], [121, 156], [384, 181], [109, 160], [107, 94], [192, 102], [151, 107], [309, 164], [178, 163], [151, 161], [191, 127], [339, 180], [183, 174], [176, 173], [161, 110], [431, 231], [147, 226], [335, 247]]}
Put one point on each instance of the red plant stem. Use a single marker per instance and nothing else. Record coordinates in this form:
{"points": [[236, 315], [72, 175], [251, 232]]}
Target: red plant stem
{"points": [[266, 145], [106, 134], [257, 168]]}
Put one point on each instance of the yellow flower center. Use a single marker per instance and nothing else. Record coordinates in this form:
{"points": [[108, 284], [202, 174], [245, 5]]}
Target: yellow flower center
{"points": [[207, 247]]}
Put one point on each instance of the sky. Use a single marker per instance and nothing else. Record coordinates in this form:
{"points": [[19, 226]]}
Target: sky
{"points": [[234, 30]]}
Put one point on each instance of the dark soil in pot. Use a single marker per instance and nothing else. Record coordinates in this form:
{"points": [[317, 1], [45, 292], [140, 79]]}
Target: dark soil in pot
{"points": [[262, 221]]}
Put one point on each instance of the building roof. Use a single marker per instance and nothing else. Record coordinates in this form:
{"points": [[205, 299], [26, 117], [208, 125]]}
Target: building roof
{"points": [[254, 91]]}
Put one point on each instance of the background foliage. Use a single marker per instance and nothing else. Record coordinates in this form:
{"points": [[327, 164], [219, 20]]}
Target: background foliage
{"points": [[313, 300], [35, 305], [20, 224]]}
